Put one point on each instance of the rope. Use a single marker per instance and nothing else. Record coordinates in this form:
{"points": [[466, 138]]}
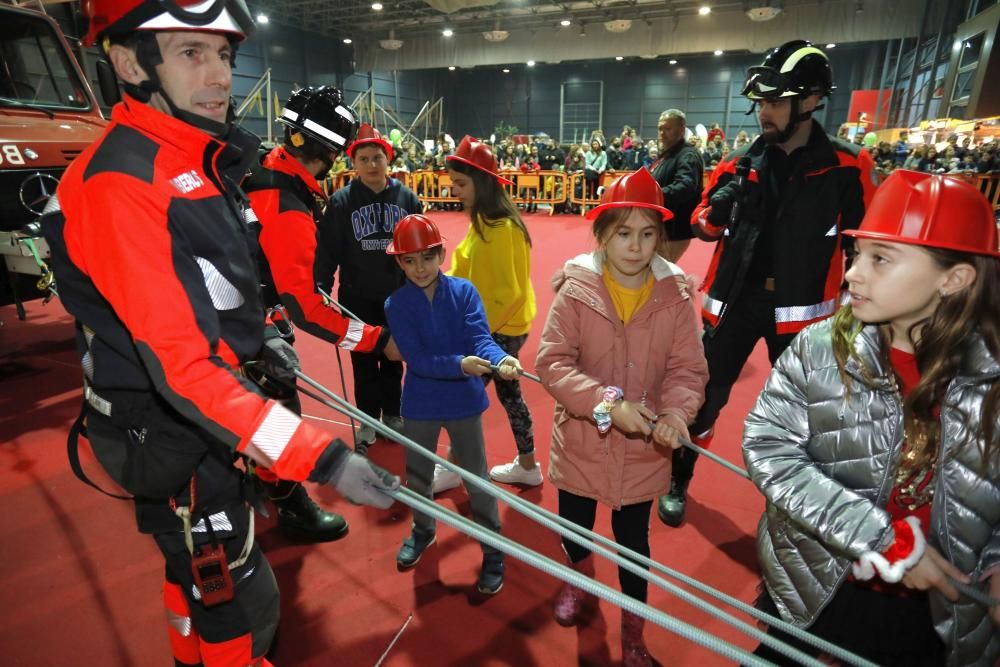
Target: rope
{"points": [[523, 373], [624, 557], [560, 571], [340, 306]]}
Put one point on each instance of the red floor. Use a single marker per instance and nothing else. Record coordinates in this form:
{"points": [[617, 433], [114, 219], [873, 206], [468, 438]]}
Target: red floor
{"points": [[80, 587]]}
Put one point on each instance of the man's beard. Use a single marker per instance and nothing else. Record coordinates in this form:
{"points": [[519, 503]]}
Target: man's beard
{"points": [[771, 134]]}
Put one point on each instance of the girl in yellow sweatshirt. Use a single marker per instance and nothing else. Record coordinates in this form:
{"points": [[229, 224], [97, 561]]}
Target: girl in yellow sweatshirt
{"points": [[495, 256]]}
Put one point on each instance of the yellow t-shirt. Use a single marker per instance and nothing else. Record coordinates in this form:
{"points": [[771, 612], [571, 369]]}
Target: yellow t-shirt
{"points": [[499, 265], [627, 301]]}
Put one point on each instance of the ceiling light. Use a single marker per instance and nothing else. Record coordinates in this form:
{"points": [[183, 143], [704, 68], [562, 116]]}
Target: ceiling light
{"points": [[619, 57], [672, 61], [565, 22], [704, 10], [451, 68], [718, 52], [348, 40], [262, 18], [765, 13], [391, 44], [531, 63], [831, 46], [377, 6], [618, 25], [447, 32], [506, 70], [496, 35]]}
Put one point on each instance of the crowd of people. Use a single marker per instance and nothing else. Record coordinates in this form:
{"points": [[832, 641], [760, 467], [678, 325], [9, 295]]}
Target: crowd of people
{"points": [[874, 441]]}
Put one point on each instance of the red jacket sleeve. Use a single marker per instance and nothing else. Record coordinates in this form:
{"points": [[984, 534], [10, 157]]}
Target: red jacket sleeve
{"points": [[154, 284], [700, 225], [288, 240]]}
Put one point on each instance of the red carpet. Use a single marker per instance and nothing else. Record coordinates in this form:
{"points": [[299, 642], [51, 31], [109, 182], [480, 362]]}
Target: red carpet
{"points": [[81, 587]]}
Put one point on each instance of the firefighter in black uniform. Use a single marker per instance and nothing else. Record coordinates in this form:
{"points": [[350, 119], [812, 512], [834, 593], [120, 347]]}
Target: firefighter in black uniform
{"points": [[779, 260], [155, 261], [287, 200]]}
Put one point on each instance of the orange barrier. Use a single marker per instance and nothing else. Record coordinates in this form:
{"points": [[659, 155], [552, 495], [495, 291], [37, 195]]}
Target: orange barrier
{"points": [[432, 187], [988, 184], [582, 200], [333, 183], [536, 187]]}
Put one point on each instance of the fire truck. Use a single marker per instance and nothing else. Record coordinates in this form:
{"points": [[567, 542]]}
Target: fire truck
{"points": [[48, 115]]}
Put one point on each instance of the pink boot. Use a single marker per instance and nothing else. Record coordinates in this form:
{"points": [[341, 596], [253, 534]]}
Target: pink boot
{"points": [[570, 598], [634, 653]]}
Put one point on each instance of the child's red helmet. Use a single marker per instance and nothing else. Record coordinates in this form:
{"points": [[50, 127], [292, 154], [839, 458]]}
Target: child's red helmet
{"points": [[414, 233], [477, 154], [369, 135], [930, 210], [635, 190]]}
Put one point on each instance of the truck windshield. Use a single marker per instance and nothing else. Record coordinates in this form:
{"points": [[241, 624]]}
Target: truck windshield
{"points": [[34, 68]]}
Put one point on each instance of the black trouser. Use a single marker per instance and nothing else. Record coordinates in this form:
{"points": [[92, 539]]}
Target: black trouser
{"points": [[139, 459], [630, 525], [377, 380], [748, 319], [885, 629]]}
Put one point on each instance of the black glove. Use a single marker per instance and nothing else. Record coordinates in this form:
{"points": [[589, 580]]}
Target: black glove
{"points": [[721, 203], [279, 360], [362, 482], [750, 197]]}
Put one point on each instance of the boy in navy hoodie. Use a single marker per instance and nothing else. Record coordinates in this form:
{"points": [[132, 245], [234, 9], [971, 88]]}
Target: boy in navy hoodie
{"points": [[439, 325]]}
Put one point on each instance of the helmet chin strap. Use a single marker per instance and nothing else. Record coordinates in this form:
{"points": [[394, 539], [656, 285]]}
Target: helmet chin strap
{"points": [[795, 118], [148, 56]]}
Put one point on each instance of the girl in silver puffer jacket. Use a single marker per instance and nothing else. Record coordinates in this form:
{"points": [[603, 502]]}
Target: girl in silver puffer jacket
{"points": [[876, 441]]}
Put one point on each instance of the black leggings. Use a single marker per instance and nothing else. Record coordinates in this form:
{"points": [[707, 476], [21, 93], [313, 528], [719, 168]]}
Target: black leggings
{"points": [[630, 525], [885, 629]]}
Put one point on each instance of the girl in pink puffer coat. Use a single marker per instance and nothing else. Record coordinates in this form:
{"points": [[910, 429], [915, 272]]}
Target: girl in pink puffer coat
{"points": [[621, 354]]}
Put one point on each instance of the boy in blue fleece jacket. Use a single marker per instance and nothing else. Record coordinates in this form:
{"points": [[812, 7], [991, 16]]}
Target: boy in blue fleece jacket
{"points": [[439, 325]]}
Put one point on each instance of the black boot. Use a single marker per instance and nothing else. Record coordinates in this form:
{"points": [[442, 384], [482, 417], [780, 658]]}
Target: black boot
{"points": [[670, 508], [299, 516]]}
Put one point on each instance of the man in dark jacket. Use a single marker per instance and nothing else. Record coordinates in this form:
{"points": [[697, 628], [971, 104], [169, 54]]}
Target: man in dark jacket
{"points": [[779, 262], [679, 171], [354, 233]]}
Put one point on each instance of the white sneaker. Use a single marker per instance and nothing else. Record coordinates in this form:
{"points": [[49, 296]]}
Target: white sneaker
{"points": [[513, 473], [444, 479]]}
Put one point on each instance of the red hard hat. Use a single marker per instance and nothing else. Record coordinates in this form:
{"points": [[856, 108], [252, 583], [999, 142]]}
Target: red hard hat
{"points": [[635, 190], [414, 233], [474, 152], [369, 135], [108, 17], [930, 210]]}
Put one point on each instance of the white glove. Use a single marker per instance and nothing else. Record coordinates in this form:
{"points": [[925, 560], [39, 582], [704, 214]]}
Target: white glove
{"points": [[364, 483]]}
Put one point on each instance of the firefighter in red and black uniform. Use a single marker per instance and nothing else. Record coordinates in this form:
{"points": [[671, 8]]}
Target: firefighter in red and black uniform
{"points": [[286, 199], [779, 259], [155, 261]]}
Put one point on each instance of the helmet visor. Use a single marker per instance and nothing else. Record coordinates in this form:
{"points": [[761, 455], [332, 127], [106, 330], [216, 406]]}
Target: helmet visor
{"points": [[766, 83], [228, 16]]}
